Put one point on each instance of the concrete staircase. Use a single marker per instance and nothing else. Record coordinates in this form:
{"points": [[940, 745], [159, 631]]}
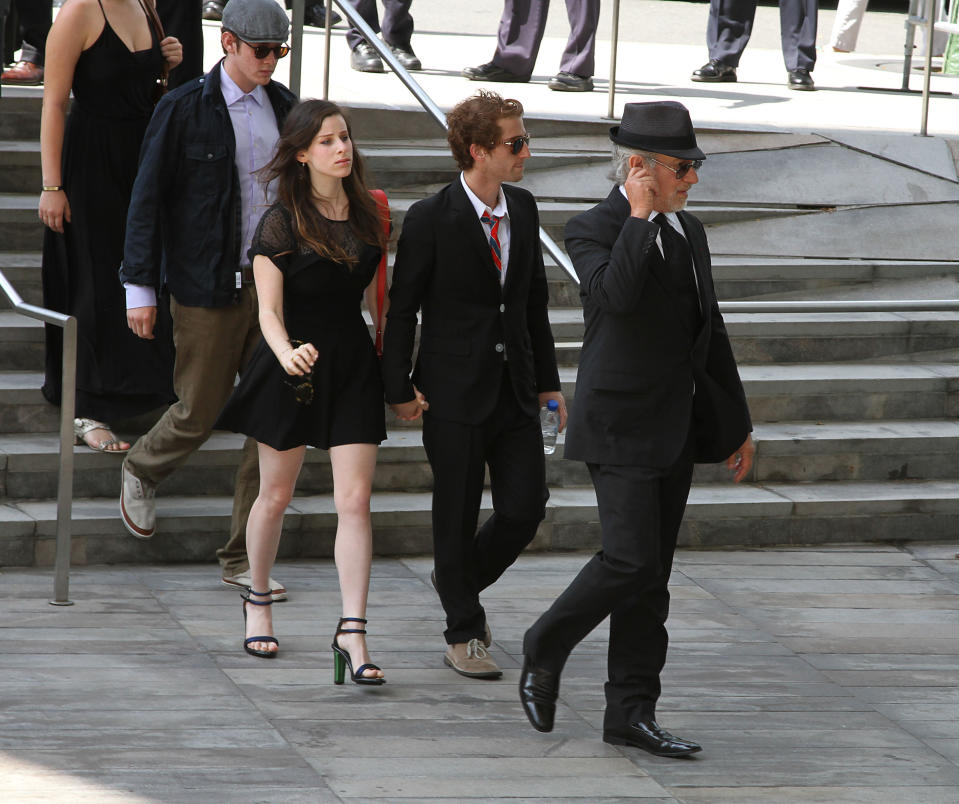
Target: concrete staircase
{"points": [[855, 413]]}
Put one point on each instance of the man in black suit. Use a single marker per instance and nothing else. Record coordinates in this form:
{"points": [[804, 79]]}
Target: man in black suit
{"points": [[729, 28], [469, 260], [657, 390]]}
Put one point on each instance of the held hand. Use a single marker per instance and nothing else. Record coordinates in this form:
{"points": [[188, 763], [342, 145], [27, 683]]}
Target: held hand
{"points": [[412, 410], [54, 209], [558, 396], [299, 361], [172, 51], [640, 189], [741, 461], [142, 321]]}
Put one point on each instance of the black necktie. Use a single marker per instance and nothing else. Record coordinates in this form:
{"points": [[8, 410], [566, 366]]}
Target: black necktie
{"points": [[679, 263]]}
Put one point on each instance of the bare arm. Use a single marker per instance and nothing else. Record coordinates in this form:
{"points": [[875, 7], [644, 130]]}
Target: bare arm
{"points": [[269, 291], [72, 32]]}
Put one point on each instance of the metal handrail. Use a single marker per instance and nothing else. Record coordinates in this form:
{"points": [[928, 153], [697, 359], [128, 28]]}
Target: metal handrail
{"points": [[61, 575], [841, 306], [408, 81]]}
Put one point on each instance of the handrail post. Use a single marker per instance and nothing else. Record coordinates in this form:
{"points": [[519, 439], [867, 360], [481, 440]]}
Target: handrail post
{"points": [[327, 41], [614, 44], [61, 573], [931, 13], [296, 44]]}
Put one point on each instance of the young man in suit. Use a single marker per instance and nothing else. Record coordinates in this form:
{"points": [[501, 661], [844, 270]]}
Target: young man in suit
{"points": [[469, 260], [657, 390]]}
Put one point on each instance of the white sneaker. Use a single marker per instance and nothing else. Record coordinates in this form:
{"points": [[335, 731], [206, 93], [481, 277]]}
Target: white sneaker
{"points": [[243, 580], [138, 507]]}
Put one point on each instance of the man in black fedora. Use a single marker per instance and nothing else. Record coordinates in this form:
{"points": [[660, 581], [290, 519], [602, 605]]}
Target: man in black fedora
{"points": [[657, 390]]}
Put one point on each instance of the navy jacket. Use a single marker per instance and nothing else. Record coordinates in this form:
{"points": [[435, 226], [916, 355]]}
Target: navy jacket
{"points": [[183, 223]]}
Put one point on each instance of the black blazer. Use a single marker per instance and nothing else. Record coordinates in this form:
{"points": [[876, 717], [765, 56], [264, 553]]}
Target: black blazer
{"points": [[444, 268], [640, 364]]}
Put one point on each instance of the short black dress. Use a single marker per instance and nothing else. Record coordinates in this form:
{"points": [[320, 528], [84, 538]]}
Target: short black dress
{"points": [[321, 305]]}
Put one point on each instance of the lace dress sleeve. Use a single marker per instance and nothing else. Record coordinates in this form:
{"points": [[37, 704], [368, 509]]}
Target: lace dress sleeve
{"points": [[274, 237]]}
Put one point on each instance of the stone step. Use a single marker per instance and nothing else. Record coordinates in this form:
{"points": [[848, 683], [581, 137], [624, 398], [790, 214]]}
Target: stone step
{"points": [[781, 392], [790, 452], [19, 166], [192, 528], [20, 228]]}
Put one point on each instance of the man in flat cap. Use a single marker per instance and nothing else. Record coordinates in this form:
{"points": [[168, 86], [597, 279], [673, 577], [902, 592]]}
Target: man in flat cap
{"points": [[657, 390], [195, 205]]}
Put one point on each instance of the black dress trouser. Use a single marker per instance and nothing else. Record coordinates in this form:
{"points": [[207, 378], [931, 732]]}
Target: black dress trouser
{"points": [[510, 443], [640, 511]]}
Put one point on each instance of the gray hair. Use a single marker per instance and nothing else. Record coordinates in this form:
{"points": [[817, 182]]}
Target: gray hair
{"points": [[619, 169]]}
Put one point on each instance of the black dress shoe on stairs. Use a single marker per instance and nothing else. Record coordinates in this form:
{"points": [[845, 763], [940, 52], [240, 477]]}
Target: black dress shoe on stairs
{"points": [[801, 79], [406, 57], [212, 10], [570, 82], [365, 59], [714, 71], [650, 736], [538, 690], [315, 16], [490, 72]]}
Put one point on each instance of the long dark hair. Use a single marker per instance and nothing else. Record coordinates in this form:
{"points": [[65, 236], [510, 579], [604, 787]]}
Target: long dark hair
{"points": [[295, 190]]}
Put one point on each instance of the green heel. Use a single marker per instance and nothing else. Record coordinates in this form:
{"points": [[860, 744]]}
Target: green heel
{"points": [[342, 660]]}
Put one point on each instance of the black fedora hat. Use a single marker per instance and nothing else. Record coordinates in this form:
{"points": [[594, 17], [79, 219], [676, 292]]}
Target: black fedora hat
{"points": [[662, 127]]}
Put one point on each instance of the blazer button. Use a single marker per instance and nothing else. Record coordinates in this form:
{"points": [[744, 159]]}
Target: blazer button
{"points": [[502, 308], [499, 347]]}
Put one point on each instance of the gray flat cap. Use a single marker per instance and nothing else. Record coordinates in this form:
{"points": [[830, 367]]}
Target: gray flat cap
{"points": [[256, 20]]}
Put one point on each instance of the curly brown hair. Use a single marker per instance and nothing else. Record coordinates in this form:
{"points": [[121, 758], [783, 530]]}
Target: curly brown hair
{"points": [[475, 121], [295, 191]]}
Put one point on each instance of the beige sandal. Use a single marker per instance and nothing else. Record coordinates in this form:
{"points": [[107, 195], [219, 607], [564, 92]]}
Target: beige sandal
{"points": [[83, 426]]}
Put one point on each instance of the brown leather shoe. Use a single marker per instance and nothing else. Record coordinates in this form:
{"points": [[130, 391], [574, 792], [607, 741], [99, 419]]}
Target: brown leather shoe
{"points": [[23, 73], [472, 660]]}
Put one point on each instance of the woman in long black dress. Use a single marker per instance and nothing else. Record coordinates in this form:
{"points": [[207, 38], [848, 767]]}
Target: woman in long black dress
{"points": [[315, 378], [110, 53]]}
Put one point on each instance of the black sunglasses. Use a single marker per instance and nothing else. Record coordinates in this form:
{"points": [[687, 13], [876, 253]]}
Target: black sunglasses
{"points": [[262, 51], [516, 144], [680, 170], [303, 389]]}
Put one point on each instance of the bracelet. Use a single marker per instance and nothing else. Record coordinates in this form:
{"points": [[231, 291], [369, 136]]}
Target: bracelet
{"points": [[52, 188]]}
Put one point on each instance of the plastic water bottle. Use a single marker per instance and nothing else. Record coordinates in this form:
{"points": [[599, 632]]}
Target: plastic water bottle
{"points": [[549, 422]]}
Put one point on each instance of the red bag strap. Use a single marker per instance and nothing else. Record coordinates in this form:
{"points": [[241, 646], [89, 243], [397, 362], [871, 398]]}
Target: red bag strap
{"points": [[384, 207]]}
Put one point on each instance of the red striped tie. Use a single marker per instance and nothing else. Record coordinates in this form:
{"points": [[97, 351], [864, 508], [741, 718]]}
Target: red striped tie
{"points": [[492, 221]]}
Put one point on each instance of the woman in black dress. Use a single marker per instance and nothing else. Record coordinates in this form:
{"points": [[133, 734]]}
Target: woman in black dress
{"points": [[315, 379], [110, 53]]}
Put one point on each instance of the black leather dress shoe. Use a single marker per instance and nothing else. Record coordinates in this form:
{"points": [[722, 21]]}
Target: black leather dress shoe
{"points": [[714, 71], [315, 16], [213, 10], [490, 72], [365, 59], [801, 79], [570, 82], [406, 57], [538, 690], [649, 736]]}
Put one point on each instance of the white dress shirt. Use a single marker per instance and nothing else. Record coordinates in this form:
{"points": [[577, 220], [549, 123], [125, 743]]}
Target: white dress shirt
{"points": [[502, 234]]}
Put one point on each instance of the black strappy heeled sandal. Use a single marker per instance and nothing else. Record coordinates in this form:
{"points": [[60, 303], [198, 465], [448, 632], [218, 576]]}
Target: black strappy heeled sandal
{"points": [[263, 654], [342, 660]]}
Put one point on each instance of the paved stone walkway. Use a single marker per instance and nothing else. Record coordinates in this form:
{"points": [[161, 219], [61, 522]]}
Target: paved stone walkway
{"points": [[809, 675]]}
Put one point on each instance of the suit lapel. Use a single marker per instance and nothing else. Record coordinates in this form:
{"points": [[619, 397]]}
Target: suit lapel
{"points": [[467, 225], [697, 246]]}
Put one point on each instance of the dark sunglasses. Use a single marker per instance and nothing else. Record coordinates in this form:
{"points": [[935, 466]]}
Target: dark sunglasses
{"points": [[680, 170], [303, 388], [516, 144], [262, 51]]}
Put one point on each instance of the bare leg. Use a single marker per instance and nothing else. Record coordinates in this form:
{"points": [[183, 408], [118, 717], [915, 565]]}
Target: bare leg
{"points": [[278, 473], [353, 466]]}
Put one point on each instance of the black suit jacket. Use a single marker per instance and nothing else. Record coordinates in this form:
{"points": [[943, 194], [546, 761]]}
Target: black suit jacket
{"points": [[444, 269], [640, 363]]}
